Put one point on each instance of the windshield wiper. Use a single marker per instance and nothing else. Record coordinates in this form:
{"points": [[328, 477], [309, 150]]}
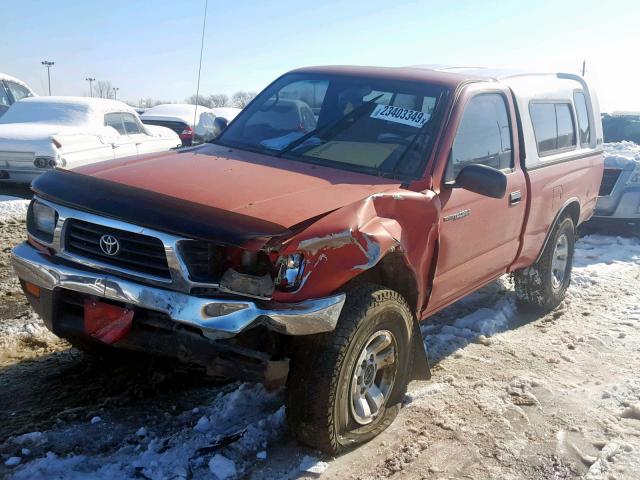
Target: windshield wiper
{"points": [[331, 126]]}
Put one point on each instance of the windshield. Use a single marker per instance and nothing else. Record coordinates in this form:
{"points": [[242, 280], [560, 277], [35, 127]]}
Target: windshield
{"points": [[57, 113], [377, 126]]}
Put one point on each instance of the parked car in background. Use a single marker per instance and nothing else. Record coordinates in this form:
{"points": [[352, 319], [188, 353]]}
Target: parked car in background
{"points": [[12, 90], [179, 117], [40, 133], [619, 201], [618, 206], [621, 126], [307, 251]]}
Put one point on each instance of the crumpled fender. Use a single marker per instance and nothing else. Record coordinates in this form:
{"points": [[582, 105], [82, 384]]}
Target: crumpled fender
{"points": [[353, 239]]}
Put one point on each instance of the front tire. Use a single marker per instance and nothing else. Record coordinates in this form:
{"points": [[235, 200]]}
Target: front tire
{"points": [[345, 387], [543, 285]]}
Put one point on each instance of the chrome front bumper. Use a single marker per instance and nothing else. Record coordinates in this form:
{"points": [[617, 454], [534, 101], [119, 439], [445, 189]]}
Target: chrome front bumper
{"points": [[216, 318]]}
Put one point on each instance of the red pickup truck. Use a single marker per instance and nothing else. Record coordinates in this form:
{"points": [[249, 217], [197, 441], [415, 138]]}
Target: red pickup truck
{"points": [[303, 245]]}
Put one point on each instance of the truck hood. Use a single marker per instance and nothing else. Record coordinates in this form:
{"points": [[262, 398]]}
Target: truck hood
{"points": [[209, 192], [280, 191]]}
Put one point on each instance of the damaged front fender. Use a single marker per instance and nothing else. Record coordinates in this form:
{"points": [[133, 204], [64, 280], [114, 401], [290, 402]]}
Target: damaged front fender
{"points": [[354, 239]]}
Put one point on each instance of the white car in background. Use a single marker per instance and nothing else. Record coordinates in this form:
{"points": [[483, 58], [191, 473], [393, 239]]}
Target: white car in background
{"points": [[12, 90], [179, 117], [41, 133]]}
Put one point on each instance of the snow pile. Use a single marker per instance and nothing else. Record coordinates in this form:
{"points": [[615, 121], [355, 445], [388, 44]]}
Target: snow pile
{"points": [[443, 339], [27, 329], [174, 111], [621, 154], [220, 439], [221, 467], [313, 465], [599, 258], [613, 461], [12, 209]]}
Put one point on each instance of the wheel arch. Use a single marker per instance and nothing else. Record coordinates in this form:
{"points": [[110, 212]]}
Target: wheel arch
{"points": [[570, 209], [394, 273]]}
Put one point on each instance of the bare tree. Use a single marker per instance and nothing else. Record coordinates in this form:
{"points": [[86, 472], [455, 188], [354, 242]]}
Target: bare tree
{"points": [[103, 89], [241, 99], [219, 100], [199, 100], [149, 102]]}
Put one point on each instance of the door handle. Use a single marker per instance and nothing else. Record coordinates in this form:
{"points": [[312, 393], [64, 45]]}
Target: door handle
{"points": [[515, 197]]}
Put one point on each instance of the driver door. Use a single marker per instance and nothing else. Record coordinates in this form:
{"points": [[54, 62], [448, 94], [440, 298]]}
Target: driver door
{"points": [[479, 235]]}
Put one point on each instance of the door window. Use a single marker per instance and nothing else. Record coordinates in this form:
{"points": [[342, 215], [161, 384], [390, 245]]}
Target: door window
{"points": [[18, 91], [484, 135], [115, 120], [5, 103], [131, 125]]}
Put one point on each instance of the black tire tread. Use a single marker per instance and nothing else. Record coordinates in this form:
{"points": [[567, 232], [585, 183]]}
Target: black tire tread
{"points": [[532, 290], [312, 383]]}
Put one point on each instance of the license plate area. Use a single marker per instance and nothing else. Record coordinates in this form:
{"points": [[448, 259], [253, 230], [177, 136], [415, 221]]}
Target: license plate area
{"points": [[106, 322]]}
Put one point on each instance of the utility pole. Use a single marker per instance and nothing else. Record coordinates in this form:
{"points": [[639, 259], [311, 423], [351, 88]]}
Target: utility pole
{"points": [[115, 93], [584, 67], [48, 66], [90, 80]]}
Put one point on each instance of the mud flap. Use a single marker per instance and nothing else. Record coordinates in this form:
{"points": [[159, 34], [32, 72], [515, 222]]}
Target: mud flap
{"points": [[105, 322], [421, 369]]}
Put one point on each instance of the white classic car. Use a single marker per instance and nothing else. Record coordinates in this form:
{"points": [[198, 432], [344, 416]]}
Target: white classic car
{"points": [[41, 133], [12, 90]]}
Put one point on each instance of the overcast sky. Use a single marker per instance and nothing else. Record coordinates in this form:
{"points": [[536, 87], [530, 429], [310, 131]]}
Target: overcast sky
{"points": [[151, 48]]}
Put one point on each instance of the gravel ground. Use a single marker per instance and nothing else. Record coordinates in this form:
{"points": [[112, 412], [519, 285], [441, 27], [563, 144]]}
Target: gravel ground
{"points": [[513, 395]]}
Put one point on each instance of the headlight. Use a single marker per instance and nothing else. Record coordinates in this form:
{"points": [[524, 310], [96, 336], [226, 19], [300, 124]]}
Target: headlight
{"points": [[44, 218], [289, 271]]}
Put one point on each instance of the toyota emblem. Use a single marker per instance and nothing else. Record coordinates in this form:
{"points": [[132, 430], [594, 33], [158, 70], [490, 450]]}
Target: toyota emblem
{"points": [[109, 245]]}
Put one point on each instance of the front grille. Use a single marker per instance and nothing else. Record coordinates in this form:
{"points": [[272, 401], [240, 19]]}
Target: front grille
{"points": [[202, 259], [609, 179], [138, 253]]}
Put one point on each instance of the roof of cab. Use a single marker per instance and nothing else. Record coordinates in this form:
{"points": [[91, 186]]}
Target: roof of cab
{"points": [[414, 74], [445, 75]]}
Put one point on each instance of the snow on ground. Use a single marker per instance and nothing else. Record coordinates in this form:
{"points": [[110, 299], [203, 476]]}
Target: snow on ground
{"points": [[242, 424], [12, 209], [239, 425], [242, 421], [25, 328]]}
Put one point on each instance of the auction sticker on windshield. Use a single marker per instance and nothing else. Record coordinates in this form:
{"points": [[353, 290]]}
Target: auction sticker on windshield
{"points": [[413, 118]]}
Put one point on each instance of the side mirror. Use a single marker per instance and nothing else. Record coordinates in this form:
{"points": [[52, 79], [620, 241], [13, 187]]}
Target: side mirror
{"points": [[219, 124], [483, 180]]}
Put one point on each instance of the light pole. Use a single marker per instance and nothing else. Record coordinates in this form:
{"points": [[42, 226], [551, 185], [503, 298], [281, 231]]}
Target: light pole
{"points": [[90, 80], [48, 65], [115, 92]]}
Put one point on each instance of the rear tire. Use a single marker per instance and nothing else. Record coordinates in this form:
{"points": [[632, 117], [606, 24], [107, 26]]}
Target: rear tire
{"points": [[543, 285], [346, 387]]}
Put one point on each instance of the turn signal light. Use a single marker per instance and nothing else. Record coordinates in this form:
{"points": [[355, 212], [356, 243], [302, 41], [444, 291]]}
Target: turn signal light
{"points": [[32, 289]]}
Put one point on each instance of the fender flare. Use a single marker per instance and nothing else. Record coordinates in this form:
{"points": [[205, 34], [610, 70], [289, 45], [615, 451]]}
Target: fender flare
{"points": [[559, 215]]}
